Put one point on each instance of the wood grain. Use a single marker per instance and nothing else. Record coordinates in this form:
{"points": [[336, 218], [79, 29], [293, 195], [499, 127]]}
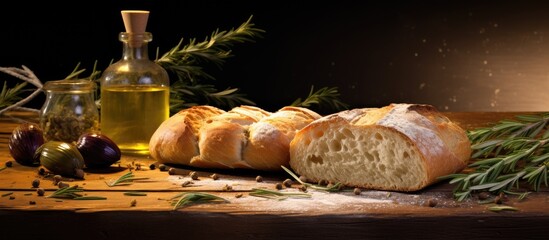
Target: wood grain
{"points": [[341, 215]]}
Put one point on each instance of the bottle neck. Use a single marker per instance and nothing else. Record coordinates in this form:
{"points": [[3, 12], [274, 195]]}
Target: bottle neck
{"points": [[135, 46]]}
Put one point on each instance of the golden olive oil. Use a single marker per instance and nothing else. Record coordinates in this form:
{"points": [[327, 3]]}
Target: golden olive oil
{"points": [[131, 114]]}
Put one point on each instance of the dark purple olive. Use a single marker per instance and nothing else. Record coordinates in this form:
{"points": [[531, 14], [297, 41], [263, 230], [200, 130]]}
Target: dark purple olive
{"points": [[23, 142], [98, 150]]}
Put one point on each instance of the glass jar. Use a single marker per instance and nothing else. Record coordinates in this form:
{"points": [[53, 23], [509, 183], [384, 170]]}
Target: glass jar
{"points": [[134, 96], [69, 110]]}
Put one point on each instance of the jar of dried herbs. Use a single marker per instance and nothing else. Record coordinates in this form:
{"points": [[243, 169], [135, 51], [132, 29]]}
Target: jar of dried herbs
{"points": [[69, 110]]}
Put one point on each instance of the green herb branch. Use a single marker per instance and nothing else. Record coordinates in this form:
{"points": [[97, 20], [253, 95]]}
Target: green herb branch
{"points": [[327, 96], [277, 195], [11, 98], [126, 179], [73, 192], [185, 199], [186, 64], [335, 188], [508, 155]]}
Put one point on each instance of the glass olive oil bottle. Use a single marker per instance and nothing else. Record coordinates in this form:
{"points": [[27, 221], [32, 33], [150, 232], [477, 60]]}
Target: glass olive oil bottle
{"points": [[134, 90]]}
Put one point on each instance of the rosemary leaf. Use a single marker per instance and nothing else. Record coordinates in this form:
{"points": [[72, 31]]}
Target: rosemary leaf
{"points": [[7, 194], [335, 188], [126, 179], [135, 194], [277, 195], [184, 199], [67, 192], [9, 96], [90, 198], [500, 208], [324, 96], [521, 195]]}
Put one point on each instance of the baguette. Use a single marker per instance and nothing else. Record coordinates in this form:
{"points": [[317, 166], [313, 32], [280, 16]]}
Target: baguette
{"points": [[400, 147], [245, 137]]}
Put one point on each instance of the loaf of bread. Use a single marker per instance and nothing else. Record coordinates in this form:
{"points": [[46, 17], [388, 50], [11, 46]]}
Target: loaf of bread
{"points": [[245, 137], [399, 147]]}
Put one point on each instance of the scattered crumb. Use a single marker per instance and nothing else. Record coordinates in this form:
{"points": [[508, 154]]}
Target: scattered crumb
{"points": [[227, 188]]}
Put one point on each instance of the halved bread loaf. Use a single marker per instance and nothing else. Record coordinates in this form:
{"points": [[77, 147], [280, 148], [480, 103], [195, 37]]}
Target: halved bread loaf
{"points": [[401, 147]]}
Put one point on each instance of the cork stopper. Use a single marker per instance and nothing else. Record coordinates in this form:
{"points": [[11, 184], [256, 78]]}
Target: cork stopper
{"points": [[135, 21]]}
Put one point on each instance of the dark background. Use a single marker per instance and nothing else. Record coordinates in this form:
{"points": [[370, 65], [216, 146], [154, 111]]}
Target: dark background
{"points": [[455, 55]]}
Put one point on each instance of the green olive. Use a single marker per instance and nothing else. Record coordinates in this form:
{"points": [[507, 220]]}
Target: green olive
{"points": [[61, 158]]}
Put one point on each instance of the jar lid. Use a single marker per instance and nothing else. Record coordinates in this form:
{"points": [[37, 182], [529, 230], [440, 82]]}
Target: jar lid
{"points": [[74, 86]]}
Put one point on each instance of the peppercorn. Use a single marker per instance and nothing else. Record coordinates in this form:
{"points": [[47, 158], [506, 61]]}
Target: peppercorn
{"points": [[171, 171], [303, 178], [238, 195], [35, 183], [287, 182], [152, 166], [41, 171], [303, 188], [57, 179], [278, 186], [62, 184], [133, 203], [322, 182], [186, 183], [214, 176], [32, 202], [259, 179], [193, 175], [431, 202], [483, 195], [9, 164], [163, 167], [357, 191], [40, 192]]}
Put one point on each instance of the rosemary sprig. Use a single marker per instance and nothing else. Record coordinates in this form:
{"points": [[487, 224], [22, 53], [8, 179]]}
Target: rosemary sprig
{"points": [[186, 64], [184, 61], [9, 96], [126, 179], [26, 75], [73, 192], [335, 188], [324, 96], [188, 198], [277, 195], [507, 154], [67, 192], [187, 95]]}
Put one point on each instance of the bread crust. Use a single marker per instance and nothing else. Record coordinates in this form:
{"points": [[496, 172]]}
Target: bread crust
{"points": [[443, 146], [244, 137], [176, 139]]}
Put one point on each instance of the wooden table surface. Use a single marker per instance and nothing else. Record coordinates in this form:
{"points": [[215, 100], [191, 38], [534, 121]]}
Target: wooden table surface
{"points": [[339, 215]]}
